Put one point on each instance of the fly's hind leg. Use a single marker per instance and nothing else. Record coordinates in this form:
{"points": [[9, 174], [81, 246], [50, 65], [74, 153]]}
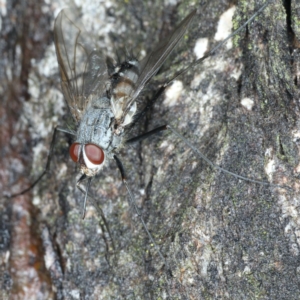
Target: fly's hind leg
{"points": [[199, 154]]}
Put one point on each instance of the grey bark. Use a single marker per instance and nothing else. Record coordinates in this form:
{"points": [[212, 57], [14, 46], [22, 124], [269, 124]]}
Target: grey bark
{"points": [[223, 238]]}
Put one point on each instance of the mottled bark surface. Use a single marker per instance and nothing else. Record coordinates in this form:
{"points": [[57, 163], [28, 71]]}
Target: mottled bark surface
{"points": [[223, 237]]}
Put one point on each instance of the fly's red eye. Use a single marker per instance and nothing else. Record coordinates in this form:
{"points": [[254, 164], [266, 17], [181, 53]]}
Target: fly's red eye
{"points": [[74, 151], [94, 153]]}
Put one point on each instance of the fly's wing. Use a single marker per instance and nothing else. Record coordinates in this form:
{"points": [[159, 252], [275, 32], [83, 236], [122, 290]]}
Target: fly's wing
{"points": [[82, 70], [152, 62]]}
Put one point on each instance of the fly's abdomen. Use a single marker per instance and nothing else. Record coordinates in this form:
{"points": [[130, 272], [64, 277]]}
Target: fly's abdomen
{"points": [[123, 84]]}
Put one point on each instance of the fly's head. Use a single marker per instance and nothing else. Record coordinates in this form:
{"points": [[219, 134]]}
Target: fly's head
{"points": [[91, 157]]}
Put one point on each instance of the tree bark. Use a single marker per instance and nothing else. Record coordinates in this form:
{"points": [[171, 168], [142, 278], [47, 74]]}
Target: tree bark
{"points": [[222, 237]]}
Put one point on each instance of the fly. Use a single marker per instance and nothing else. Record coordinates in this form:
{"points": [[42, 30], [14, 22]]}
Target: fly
{"points": [[101, 105]]}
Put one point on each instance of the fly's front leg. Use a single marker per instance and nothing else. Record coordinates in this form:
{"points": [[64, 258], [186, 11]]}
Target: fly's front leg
{"points": [[99, 210], [56, 129]]}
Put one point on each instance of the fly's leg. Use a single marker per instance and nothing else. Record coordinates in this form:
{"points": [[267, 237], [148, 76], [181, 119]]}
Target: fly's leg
{"points": [[103, 225], [56, 129], [99, 210], [132, 204], [147, 134], [101, 213], [198, 153]]}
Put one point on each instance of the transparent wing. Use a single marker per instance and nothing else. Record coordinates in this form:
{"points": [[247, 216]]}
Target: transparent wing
{"points": [[153, 61], [83, 72]]}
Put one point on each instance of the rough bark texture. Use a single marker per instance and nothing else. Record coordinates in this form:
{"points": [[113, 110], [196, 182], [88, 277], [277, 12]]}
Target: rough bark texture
{"points": [[223, 238]]}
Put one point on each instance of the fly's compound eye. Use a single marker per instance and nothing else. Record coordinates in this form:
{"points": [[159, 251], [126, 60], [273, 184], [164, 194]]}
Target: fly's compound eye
{"points": [[74, 151], [94, 153]]}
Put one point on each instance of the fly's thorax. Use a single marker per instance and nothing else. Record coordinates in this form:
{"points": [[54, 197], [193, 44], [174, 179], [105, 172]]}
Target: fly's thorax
{"points": [[122, 86], [96, 125]]}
